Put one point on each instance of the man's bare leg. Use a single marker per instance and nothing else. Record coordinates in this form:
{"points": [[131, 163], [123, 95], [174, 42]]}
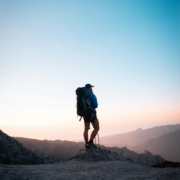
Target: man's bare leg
{"points": [[96, 129], [86, 128]]}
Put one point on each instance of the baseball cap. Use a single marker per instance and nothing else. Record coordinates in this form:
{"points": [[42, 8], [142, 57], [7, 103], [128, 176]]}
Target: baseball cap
{"points": [[88, 86]]}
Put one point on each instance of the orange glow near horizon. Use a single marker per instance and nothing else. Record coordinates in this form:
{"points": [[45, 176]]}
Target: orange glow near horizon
{"points": [[109, 124]]}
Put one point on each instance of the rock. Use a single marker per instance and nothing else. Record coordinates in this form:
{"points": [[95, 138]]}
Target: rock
{"points": [[166, 164], [145, 158], [12, 152], [98, 154]]}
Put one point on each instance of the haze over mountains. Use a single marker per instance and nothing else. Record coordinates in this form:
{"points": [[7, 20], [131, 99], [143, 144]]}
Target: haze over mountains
{"points": [[167, 145], [63, 150], [147, 144], [58, 150], [31, 151], [162, 140]]}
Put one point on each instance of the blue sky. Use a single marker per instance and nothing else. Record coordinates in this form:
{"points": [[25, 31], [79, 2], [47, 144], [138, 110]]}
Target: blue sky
{"points": [[130, 51]]}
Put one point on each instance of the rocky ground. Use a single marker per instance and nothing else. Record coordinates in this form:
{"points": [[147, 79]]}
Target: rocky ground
{"points": [[78, 169], [89, 164], [19, 163]]}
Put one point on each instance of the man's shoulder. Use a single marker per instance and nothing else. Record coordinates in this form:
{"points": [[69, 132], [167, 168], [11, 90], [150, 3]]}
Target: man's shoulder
{"points": [[91, 94]]}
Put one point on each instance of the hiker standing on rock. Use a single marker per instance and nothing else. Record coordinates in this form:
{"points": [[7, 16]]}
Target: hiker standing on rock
{"points": [[86, 105], [93, 120]]}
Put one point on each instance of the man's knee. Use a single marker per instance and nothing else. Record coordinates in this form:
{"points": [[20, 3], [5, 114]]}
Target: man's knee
{"points": [[96, 128], [96, 125]]}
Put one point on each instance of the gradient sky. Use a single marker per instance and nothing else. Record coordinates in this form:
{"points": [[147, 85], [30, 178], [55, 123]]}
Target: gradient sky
{"points": [[128, 49]]}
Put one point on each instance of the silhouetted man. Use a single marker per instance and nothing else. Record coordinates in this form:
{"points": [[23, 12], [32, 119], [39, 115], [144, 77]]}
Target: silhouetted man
{"points": [[94, 121]]}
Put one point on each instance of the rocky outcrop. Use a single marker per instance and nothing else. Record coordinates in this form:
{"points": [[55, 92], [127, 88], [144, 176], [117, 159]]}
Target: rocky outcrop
{"points": [[145, 158], [122, 154], [98, 154], [166, 164], [12, 152]]}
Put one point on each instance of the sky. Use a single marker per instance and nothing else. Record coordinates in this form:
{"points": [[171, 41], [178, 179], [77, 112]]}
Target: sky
{"points": [[128, 49]]}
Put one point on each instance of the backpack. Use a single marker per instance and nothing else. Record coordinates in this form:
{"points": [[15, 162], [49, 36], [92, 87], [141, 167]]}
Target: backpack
{"points": [[83, 103]]}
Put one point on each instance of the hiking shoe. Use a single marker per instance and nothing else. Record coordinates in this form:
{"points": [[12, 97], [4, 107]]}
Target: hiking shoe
{"points": [[92, 145], [88, 146]]}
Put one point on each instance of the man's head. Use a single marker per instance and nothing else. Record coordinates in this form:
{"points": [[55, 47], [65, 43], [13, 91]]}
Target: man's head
{"points": [[88, 86]]}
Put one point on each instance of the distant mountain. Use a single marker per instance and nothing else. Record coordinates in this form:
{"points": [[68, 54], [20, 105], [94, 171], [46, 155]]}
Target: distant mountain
{"points": [[167, 145], [63, 150], [12, 152], [57, 150], [131, 139]]}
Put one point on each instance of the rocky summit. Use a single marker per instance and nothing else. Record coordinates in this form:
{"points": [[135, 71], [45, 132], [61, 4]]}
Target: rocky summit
{"points": [[98, 154]]}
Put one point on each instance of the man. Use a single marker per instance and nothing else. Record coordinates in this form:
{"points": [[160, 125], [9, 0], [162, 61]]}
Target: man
{"points": [[91, 119]]}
